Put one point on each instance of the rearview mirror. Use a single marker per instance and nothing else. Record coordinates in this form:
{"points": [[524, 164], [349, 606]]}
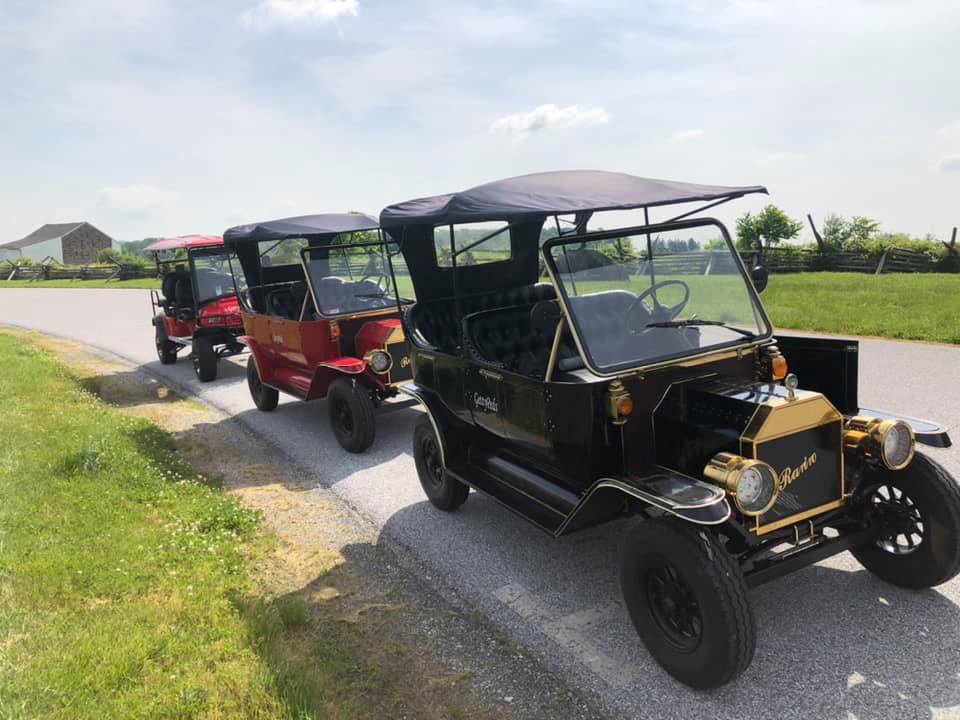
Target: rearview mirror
{"points": [[760, 277]]}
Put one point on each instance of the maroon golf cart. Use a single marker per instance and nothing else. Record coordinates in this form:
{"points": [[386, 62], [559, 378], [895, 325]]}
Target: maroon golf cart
{"points": [[321, 316]]}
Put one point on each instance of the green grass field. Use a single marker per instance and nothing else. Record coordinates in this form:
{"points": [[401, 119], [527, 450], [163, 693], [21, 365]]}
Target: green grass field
{"points": [[143, 283], [907, 306]]}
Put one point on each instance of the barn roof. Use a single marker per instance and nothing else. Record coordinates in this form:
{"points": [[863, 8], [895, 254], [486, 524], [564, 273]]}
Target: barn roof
{"points": [[42, 234]]}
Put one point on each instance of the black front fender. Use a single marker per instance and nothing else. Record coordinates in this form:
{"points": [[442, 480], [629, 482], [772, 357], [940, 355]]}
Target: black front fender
{"points": [[685, 497]]}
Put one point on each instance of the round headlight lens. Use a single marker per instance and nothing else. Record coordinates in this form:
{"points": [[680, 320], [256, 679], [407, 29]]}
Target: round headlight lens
{"points": [[756, 490], [379, 361], [897, 445]]}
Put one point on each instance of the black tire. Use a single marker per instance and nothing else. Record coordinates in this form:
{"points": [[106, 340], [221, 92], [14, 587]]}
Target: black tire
{"points": [[688, 601], [445, 492], [166, 349], [204, 359], [918, 509], [351, 414], [265, 398]]}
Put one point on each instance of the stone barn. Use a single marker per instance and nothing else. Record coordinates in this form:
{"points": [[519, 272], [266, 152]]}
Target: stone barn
{"points": [[70, 243]]}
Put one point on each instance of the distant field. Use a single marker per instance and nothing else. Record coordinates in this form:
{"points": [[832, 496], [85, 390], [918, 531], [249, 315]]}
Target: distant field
{"points": [[908, 306], [145, 283]]}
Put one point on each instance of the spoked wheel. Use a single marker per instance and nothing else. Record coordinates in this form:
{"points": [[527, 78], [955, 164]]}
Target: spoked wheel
{"points": [[674, 607], [264, 397], [204, 359], [444, 491], [901, 524], [917, 511], [688, 601], [351, 414]]}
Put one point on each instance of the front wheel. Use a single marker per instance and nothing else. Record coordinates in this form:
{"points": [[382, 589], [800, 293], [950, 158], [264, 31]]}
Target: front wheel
{"points": [[351, 414], [166, 349], [265, 398], [918, 513], [204, 360], [688, 601], [445, 492]]}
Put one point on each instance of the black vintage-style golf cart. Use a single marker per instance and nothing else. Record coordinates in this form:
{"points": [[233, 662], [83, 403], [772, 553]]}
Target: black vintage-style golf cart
{"points": [[641, 377]]}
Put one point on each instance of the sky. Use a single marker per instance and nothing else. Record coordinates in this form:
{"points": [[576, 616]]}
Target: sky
{"points": [[159, 117]]}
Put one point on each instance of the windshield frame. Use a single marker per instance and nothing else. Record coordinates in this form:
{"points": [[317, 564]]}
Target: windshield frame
{"points": [[206, 252], [632, 366], [396, 302]]}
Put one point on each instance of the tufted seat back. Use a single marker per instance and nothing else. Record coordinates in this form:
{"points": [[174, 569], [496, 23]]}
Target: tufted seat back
{"points": [[603, 312], [287, 303], [508, 338], [435, 323]]}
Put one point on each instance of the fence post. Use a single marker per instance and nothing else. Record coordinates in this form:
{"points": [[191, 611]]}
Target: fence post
{"points": [[816, 234], [952, 245], [883, 261]]}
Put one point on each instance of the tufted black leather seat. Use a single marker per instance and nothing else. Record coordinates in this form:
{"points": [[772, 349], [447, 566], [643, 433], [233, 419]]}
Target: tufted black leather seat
{"points": [[435, 324], [509, 338], [287, 303], [603, 312]]}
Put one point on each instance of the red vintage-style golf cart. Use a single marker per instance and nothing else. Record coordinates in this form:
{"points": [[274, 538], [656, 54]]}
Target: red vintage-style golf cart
{"points": [[197, 307], [321, 315]]}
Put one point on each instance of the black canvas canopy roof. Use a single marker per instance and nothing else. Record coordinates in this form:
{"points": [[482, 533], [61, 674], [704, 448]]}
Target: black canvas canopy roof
{"points": [[553, 193], [302, 226]]}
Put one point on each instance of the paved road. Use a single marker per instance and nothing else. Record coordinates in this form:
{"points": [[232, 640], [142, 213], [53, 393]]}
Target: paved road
{"points": [[833, 642]]}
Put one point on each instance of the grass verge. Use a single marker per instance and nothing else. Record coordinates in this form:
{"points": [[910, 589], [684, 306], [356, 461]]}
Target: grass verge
{"points": [[131, 586], [117, 564], [141, 284]]}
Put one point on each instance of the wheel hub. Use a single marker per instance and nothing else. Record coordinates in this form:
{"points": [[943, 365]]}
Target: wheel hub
{"points": [[674, 607], [902, 529]]}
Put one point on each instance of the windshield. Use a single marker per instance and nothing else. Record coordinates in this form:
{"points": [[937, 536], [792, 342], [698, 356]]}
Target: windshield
{"points": [[635, 301], [352, 274], [213, 275]]}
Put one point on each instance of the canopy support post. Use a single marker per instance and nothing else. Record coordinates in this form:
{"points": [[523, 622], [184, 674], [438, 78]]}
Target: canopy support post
{"points": [[555, 348], [457, 305]]}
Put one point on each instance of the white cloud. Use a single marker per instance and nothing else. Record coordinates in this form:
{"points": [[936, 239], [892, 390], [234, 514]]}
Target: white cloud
{"points": [[549, 117], [687, 135], [775, 158], [135, 199], [268, 13], [950, 132], [949, 163]]}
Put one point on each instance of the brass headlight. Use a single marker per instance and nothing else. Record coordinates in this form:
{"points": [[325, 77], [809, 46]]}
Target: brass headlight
{"points": [[752, 483], [379, 361], [890, 442]]}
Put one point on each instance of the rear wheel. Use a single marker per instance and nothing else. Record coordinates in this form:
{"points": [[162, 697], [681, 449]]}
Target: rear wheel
{"points": [[918, 511], [166, 349], [688, 601], [445, 492], [204, 360], [351, 414], [265, 398]]}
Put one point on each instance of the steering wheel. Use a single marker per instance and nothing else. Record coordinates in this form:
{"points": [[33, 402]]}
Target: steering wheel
{"points": [[382, 281], [659, 313]]}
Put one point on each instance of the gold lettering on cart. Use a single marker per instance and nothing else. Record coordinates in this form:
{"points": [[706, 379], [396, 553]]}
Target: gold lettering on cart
{"points": [[789, 474]]}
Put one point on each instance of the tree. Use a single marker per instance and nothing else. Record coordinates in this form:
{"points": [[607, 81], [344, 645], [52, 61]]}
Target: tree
{"points": [[853, 234], [771, 225]]}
